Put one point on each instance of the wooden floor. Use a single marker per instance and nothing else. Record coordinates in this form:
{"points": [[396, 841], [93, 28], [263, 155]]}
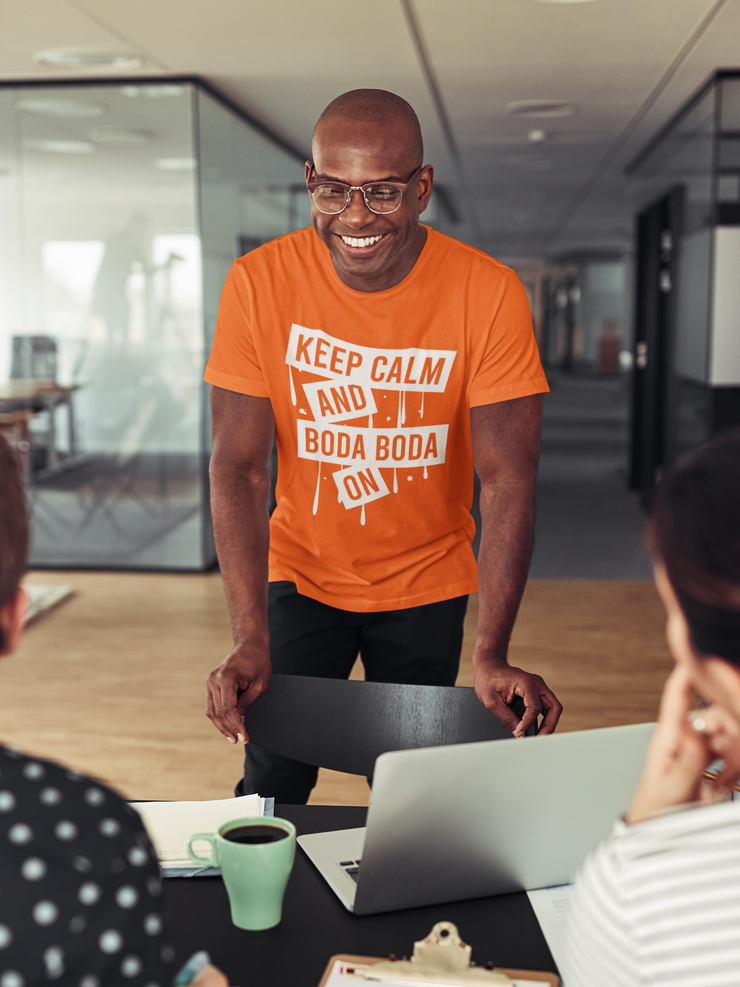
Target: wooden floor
{"points": [[112, 682]]}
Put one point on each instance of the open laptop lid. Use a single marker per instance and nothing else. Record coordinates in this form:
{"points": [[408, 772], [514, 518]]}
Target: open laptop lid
{"points": [[469, 820]]}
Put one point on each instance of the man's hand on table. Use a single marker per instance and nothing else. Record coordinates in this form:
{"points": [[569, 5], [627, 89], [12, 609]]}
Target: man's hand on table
{"points": [[496, 685], [234, 685]]}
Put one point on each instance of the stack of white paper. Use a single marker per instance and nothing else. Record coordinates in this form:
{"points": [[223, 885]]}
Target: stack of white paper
{"points": [[171, 824], [344, 973], [551, 906]]}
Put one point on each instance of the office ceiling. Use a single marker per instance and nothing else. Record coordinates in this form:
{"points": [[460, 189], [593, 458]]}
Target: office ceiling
{"points": [[622, 66]]}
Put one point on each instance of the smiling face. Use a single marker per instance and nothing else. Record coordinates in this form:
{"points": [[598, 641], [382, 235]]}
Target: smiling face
{"points": [[370, 252]]}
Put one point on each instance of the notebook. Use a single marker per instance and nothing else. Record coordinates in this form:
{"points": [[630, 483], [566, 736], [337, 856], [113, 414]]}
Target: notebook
{"points": [[171, 824]]}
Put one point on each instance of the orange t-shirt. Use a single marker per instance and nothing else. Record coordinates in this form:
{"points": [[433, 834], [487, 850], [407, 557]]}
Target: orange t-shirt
{"points": [[371, 393]]}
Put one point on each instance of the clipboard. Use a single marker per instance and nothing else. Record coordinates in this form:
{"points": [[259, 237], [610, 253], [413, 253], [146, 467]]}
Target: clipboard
{"points": [[332, 977]]}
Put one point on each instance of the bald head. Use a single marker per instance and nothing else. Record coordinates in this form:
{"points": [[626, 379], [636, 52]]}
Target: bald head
{"points": [[379, 109]]}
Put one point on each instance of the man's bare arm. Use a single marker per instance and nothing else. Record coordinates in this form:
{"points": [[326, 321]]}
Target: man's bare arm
{"points": [[506, 446], [243, 430]]}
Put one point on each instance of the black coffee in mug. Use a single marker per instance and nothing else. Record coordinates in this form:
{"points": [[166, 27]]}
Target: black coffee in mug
{"points": [[255, 834]]}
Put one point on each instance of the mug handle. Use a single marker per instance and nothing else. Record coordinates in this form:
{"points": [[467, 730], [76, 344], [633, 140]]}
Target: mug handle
{"points": [[207, 861]]}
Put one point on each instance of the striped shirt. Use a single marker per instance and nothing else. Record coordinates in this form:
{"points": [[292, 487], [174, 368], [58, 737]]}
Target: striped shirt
{"points": [[659, 903]]}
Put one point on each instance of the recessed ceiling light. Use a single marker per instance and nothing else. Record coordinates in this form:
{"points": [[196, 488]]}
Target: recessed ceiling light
{"points": [[61, 107], [525, 194], [536, 136], [175, 164], [120, 135], [496, 140], [162, 91], [575, 139], [76, 58], [541, 108], [59, 147], [527, 162]]}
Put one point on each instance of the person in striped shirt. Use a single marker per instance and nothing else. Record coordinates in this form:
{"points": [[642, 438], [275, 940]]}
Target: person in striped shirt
{"points": [[659, 901]]}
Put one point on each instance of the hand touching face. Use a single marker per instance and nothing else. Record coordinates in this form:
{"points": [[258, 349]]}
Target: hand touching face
{"points": [[682, 748]]}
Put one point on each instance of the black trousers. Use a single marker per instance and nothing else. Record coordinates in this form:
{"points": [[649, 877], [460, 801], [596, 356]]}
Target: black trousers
{"points": [[419, 646]]}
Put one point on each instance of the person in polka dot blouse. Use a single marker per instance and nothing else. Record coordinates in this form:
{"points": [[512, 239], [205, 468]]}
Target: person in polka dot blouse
{"points": [[79, 881], [80, 884]]}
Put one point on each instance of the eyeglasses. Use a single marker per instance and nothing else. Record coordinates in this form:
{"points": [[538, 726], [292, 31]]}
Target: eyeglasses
{"points": [[380, 197]]}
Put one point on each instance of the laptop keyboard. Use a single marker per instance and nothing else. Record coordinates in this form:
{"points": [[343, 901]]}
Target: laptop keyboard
{"points": [[351, 868]]}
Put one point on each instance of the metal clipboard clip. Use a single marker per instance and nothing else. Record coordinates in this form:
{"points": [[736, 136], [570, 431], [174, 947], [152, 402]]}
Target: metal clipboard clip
{"points": [[443, 959]]}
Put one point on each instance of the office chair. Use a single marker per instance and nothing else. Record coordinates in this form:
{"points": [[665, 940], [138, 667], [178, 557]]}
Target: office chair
{"points": [[345, 725]]}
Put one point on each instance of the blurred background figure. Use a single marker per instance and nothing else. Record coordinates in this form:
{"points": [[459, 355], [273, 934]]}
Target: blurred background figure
{"points": [[126, 251]]}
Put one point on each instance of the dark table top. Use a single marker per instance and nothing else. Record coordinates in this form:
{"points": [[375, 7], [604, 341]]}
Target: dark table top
{"points": [[315, 925]]}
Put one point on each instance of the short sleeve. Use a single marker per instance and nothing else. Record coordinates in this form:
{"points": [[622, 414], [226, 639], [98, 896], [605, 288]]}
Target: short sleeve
{"points": [[509, 366], [234, 363]]}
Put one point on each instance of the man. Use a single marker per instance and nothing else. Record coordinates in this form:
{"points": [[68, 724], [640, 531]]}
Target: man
{"points": [[387, 357]]}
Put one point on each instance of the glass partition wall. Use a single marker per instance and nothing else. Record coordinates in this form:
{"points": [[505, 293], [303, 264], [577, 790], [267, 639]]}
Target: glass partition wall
{"points": [[686, 189], [122, 207]]}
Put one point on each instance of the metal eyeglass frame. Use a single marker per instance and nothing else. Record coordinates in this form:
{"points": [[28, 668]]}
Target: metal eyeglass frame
{"points": [[400, 186]]}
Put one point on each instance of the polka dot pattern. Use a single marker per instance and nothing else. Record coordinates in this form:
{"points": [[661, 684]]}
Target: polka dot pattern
{"points": [[127, 896], [50, 796], [131, 966], [34, 869], [110, 941], [54, 962], [89, 893], [65, 830], [45, 912], [7, 801], [79, 881], [20, 834], [137, 856]]}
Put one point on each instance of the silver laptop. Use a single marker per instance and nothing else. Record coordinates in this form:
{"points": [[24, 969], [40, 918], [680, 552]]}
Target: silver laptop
{"points": [[469, 820]]}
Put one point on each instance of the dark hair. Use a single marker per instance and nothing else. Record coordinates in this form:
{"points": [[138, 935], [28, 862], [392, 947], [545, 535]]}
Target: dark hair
{"points": [[13, 525], [695, 530], [377, 106]]}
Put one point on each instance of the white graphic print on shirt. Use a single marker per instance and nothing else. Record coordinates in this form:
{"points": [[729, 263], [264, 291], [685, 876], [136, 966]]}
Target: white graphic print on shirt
{"points": [[350, 373]]}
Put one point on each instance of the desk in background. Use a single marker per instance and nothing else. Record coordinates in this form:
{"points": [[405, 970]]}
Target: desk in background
{"points": [[502, 928], [42, 395], [15, 428]]}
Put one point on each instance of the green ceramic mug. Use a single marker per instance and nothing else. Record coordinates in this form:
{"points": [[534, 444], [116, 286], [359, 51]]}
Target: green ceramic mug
{"points": [[255, 856]]}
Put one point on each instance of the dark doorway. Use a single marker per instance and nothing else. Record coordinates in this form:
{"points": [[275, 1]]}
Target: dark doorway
{"points": [[657, 237]]}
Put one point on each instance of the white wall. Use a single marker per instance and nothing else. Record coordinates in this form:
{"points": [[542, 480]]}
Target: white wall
{"points": [[725, 344]]}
